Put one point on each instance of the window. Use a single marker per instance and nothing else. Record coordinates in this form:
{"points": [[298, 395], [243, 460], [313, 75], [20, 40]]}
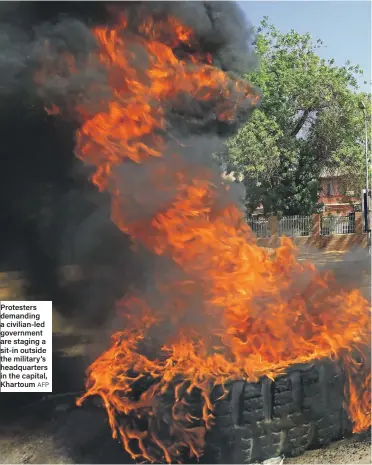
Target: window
{"points": [[329, 189]]}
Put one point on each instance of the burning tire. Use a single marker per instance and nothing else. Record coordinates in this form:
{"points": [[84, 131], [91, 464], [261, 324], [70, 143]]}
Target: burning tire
{"points": [[253, 422], [300, 410]]}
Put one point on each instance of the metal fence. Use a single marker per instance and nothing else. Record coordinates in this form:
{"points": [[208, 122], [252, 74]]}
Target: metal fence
{"points": [[295, 226], [337, 225], [260, 227]]}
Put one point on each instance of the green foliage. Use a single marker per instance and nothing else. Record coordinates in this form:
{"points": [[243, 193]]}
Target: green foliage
{"points": [[309, 121]]}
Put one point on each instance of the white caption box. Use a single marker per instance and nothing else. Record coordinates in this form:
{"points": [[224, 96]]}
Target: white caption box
{"points": [[25, 346]]}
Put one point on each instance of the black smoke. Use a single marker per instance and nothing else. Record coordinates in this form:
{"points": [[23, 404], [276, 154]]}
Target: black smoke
{"points": [[51, 214]]}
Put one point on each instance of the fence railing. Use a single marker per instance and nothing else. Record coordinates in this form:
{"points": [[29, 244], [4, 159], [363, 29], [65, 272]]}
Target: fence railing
{"points": [[295, 226], [260, 227], [337, 225], [322, 232]]}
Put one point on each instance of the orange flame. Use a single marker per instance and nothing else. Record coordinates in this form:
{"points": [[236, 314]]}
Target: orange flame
{"points": [[262, 314]]}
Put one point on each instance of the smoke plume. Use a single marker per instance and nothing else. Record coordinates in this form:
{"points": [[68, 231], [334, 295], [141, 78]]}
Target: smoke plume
{"points": [[55, 215]]}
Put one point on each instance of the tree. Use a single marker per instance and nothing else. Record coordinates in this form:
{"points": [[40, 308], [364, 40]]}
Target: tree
{"points": [[309, 121]]}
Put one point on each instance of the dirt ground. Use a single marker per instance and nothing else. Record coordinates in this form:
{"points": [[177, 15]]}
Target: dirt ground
{"points": [[355, 450], [54, 430]]}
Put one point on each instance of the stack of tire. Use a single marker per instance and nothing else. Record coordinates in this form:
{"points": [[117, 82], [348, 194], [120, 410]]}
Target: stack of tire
{"points": [[299, 410]]}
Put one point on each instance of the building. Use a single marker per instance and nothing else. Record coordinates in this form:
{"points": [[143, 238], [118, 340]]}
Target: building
{"points": [[336, 196]]}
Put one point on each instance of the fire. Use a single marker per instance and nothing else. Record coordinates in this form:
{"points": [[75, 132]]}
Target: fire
{"points": [[256, 315]]}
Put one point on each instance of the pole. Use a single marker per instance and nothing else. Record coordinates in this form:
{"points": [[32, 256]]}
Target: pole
{"points": [[367, 201], [366, 150]]}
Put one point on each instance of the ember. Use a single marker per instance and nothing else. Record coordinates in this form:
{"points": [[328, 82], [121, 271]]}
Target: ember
{"points": [[224, 310]]}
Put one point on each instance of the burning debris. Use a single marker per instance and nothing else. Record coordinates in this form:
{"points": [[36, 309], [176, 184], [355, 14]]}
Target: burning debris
{"points": [[155, 93]]}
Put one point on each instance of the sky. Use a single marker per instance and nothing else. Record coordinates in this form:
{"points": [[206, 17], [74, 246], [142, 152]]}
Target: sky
{"points": [[344, 27]]}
